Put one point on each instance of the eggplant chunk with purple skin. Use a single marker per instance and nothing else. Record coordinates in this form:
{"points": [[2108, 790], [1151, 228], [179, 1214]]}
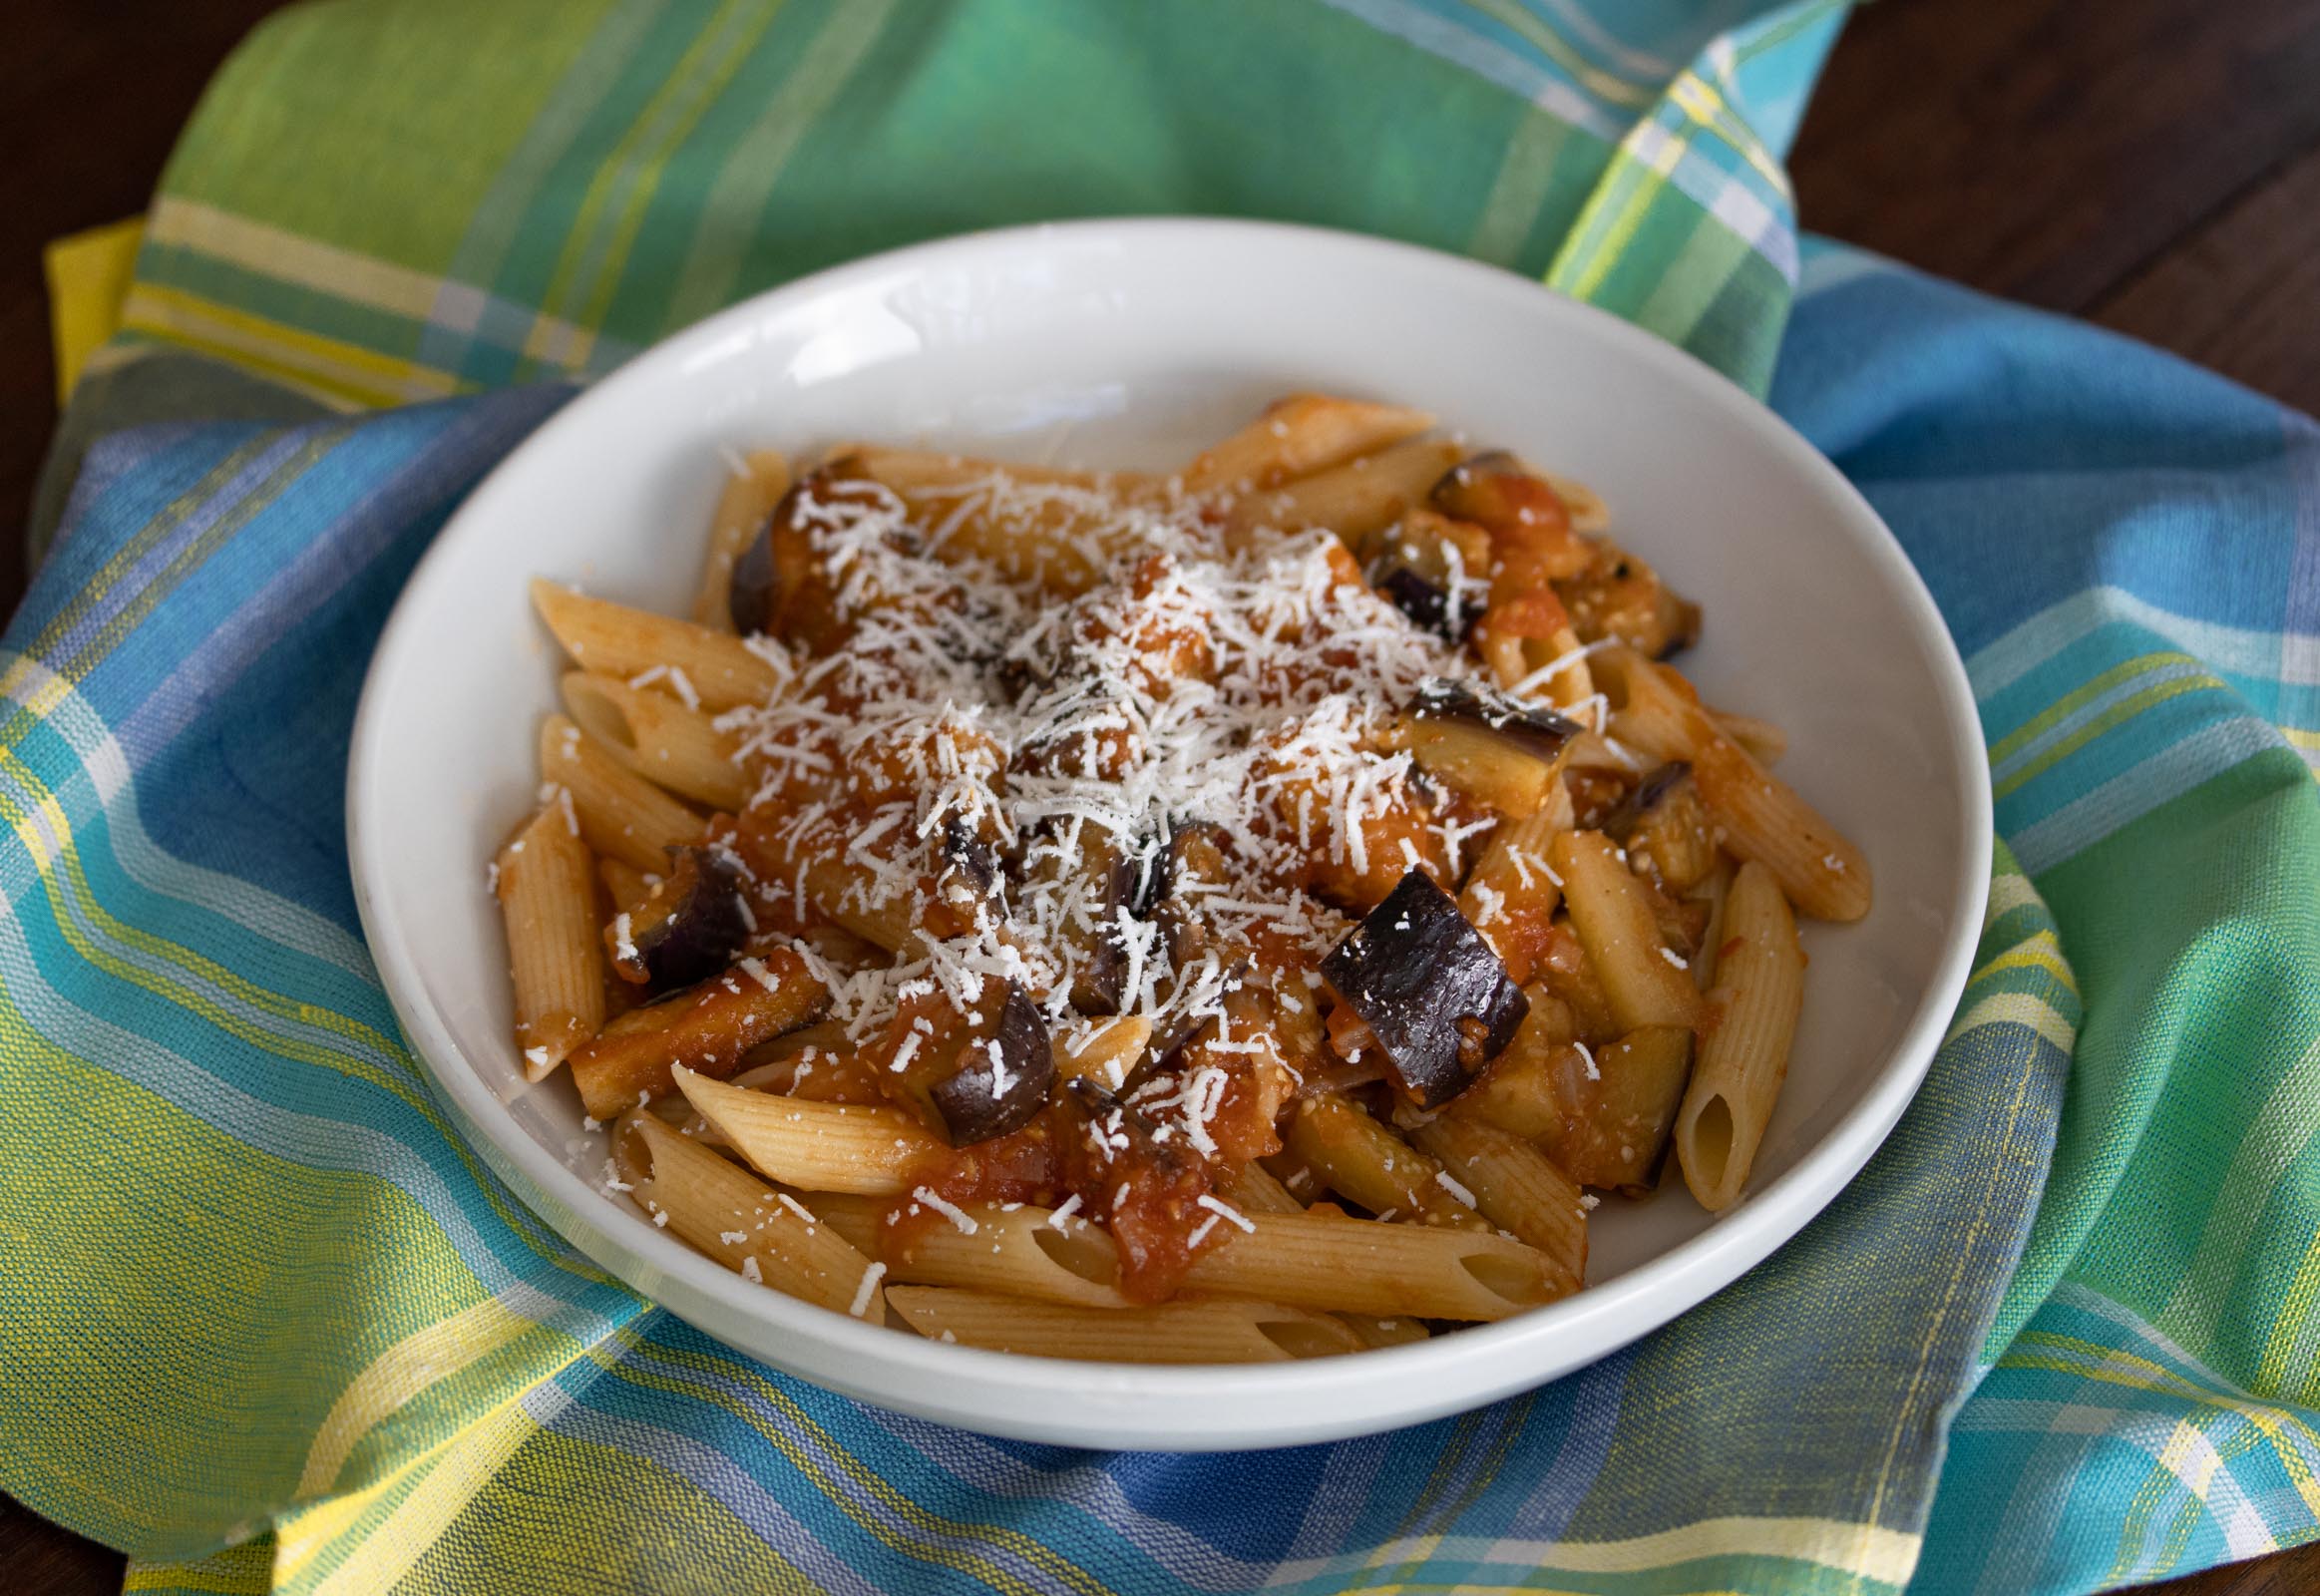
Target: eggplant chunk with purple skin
{"points": [[689, 926], [1433, 569], [1431, 990], [1496, 749], [1666, 829], [1002, 1078]]}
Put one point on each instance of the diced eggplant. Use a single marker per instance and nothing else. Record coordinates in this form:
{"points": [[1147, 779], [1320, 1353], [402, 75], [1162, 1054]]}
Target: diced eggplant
{"points": [[1195, 854], [1431, 990], [1002, 1078], [1434, 570], [752, 592], [969, 862], [1665, 828], [1656, 785], [689, 926], [1084, 865], [1528, 524], [1620, 595], [1490, 747], [777, 585]]}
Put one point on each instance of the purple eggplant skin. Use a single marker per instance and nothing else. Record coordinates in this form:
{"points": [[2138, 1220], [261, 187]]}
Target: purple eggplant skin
{"points": [[1432, 990], [753, 589], [1534, 730], [1648, 795], [695, 924], [1002, 1078], [1428, 605]]}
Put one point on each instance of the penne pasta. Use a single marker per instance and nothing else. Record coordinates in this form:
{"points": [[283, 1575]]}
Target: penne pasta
{"points": [[1365, 1162], [1174, 1333], [609, 639], [1103, 1051], [1744, 1040], [709, 1027], [658, 738], [1357, 500], [749, 496], [549, 904], [1324, 1262], [1765, 741], [1022, 1251], [1762, 817], [1517, 1187], [724, 1211], [622, 815], [837, 1147], [1611, 910], [1299, 435]]}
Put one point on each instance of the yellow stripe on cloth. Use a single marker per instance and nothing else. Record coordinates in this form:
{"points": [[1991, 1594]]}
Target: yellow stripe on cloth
{"points": [[349, 372], [87, 279], [401, 1373]]}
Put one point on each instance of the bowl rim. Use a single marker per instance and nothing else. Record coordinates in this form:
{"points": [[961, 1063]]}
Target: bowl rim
{"points": [[1693, 1270]]}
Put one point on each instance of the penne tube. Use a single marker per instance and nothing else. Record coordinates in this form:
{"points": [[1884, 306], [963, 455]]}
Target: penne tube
{"points": [[708, 1027], [1299, 435], [1254, 1189], [1517, 1187], [609, 639], [1611, 910], [1744, 1040], [1103, 1051], [1715, 890], [1357, 500], [622, 815], [1022, 1252], [748, 499], [658, 738], [1366, 1163], [1326, 1262], [908, 470], [1762, 818], [549, 904], [1174, 1333], [838, 1148], [849, 892], [1765, 741], [723, 1210]]}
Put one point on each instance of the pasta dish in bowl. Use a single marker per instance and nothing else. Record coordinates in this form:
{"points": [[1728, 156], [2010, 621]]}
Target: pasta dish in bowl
{"points": [[1112, 906], [1228, 916]]}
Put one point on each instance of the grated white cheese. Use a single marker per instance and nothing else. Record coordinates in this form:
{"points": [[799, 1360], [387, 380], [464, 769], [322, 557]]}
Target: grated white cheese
{"points": [[867, 1290], [960, 1218]]}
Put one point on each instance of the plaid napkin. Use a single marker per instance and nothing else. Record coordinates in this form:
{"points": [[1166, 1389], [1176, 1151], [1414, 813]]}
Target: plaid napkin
{"points": [[267, 1324]]}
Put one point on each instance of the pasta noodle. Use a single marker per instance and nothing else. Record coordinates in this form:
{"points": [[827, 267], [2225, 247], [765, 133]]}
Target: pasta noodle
{"points": [[742, 510], [549, 903], [622, 815], [721, 1210], [658, 738], [1743, 1050]]}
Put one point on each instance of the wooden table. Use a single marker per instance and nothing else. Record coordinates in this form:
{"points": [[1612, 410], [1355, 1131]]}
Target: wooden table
{"points": [[2152, 165]]}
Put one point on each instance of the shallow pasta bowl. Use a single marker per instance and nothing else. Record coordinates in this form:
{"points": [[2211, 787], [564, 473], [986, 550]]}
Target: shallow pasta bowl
{"points": [[1130, 345]]}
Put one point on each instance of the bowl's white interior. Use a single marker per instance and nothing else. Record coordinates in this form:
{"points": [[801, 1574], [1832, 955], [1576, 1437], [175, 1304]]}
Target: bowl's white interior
{"points": [[1134, 345]]}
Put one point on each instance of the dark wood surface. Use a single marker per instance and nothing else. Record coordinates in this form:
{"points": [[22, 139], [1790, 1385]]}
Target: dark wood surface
{"points": [[2154, 165]]}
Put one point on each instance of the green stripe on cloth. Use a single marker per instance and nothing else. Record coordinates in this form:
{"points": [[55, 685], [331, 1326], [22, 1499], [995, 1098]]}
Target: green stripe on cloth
{"points": [[646, 161]]}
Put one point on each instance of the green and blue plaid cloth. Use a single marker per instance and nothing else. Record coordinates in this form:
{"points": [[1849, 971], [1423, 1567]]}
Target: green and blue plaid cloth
{"points": [[265, 1321]]}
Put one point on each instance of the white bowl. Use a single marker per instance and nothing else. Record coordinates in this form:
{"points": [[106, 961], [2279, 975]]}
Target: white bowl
{"points": [[1132, 343]]}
